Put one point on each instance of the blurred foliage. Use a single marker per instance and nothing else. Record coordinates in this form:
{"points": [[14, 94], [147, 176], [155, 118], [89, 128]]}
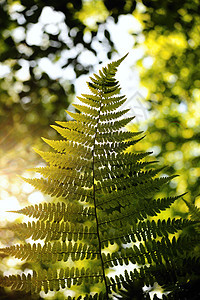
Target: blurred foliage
{"points": [[32, 98], [172, 49]]}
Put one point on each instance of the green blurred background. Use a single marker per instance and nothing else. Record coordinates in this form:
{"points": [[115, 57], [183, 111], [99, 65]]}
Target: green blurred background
{"points": [[47, 50]]}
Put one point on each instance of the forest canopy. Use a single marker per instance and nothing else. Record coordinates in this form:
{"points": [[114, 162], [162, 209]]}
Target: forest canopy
{"points": [[45, 49]]}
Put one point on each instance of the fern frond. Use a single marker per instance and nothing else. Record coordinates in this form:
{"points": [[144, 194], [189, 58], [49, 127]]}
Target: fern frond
{"points": [[110, 116], [52, 279], [160, 204], [55, 188], [83, 118], [95, 101], [115, 136], [69, 147], [52, 252], [54, 231], [130, 173], [144, 231], [77, 126], [57, 212], [131, 176], [87, 110], [151, 252], [111, 148], [66, 176], [108, 196], [116, 160], [194, 211], [113, 104], [75, 136], [114, 125], [167, 275], [134, 192], [64, 161]]}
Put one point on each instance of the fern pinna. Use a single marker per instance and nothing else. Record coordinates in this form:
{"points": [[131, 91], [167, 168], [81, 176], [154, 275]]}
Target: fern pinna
{"points": [[106, 198]]}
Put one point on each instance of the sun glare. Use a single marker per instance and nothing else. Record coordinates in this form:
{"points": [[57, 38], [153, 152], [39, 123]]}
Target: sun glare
{"points": [[35, 198], [10, 203], [6, 205]]}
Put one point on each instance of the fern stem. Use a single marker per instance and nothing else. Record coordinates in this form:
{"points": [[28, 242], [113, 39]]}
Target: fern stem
{"points": [[95, 210], [99, 239]]}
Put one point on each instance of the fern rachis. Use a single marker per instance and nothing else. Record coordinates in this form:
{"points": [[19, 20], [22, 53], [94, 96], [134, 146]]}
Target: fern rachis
{"points": [[105, 198]]}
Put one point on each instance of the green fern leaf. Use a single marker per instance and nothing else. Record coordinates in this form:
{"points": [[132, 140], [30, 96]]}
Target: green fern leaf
{"points": [[56, 212], [107, 197]]}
